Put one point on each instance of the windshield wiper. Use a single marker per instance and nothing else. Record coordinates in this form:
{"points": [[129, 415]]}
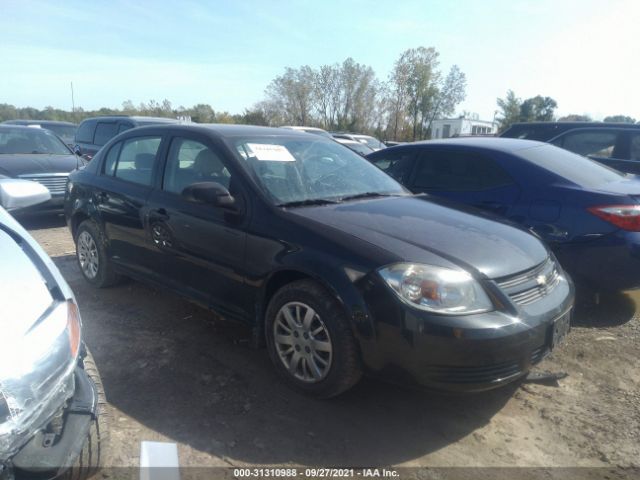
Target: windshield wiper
{"points": [[368, 195], [304, 203]]}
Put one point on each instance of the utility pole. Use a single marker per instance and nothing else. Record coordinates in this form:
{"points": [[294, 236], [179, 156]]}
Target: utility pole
{"points": [[73, 103]]}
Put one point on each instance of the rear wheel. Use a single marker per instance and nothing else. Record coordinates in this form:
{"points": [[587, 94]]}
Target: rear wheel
{"points": [[92, 256], [310, 341]]}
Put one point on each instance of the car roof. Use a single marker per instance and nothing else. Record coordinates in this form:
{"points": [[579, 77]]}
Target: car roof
{"points": [[295, 127], [38, 122], [229, 130], [12, 126], [482, 143], [135, 118], [568, 125]]}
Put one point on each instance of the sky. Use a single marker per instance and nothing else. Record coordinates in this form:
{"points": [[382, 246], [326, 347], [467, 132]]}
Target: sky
{"points": [[583, 53]]}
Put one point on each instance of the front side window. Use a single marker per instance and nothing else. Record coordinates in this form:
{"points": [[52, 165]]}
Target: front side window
{"points": [[292, 170], [635, 147], [136, 159], [394, 163], [596, 144], [105, 132], [459, 171], [190, 161]]}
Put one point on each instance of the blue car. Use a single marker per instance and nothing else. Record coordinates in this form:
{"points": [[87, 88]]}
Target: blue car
{"points": [[589, 214]]}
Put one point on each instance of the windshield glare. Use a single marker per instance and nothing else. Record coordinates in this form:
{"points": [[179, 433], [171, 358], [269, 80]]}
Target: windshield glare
{"points": [[299, 170], [31, 141]]}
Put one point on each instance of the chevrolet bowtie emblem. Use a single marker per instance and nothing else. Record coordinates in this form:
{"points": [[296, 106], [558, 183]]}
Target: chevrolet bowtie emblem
{"points": [[541, 280]]}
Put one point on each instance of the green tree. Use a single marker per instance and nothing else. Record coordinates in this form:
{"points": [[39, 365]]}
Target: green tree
{"points": [[619, 119], [575, 118], [537, 109], [509, 110]]}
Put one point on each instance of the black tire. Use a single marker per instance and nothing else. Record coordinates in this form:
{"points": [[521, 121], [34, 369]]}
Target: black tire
{"points": [[94, 454], [345, 369], [106, 275]]}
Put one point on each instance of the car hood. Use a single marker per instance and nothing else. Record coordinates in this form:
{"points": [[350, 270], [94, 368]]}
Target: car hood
{"points": [[13, 165], [414, 229], [25, 295]]}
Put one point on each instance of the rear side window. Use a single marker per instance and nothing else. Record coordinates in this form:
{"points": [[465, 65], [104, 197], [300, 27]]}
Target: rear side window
{"points": [[124, 126], [136, 159], [459, 171], [635, 147], [395, 163], [590, 143], [85, 132], [575, 168], [105, 132]]}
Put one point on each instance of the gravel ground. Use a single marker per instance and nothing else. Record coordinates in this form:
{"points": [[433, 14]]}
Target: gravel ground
{"points": [[174, 373]]}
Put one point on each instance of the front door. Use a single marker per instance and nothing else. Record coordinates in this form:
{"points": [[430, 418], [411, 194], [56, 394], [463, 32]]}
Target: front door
{"points": [[467, 178], [199, 247]]}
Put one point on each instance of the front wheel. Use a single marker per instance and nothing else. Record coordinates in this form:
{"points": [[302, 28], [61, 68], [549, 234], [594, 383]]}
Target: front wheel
{"points": [[310, 341]]}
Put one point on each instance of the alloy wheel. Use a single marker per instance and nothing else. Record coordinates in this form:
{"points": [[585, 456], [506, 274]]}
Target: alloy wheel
{"points": [[88, 255], [302, 342]]}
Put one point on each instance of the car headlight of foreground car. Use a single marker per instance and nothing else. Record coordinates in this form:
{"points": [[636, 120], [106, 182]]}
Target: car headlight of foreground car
{"points": [[36, 373], [436, 289]]}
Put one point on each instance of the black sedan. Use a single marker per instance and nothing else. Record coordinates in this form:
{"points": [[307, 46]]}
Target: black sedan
{"points": [[329, 260], [37, 154]]}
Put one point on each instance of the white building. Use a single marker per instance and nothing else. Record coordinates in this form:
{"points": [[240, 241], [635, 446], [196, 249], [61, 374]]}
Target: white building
{"points": [[459, 127]]}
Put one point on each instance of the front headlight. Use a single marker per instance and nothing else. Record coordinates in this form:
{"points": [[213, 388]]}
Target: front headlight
{"points": [[437, 289], [36, 374]]}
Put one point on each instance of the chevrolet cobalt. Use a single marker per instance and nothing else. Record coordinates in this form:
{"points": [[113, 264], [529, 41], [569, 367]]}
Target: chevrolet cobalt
{"points": [[336, 266]]}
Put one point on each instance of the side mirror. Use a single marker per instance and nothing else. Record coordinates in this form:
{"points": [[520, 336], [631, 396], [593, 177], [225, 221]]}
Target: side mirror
{"points": [[16, 194], [209, 192]]}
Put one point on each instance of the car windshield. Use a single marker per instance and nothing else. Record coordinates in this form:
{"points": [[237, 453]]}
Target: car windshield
{"points": [[577, 169], [25, 140], [294, 170], [370, 142], [361, 148]]}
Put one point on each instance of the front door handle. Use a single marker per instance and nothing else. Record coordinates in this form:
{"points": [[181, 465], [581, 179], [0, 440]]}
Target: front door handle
{"points": [[159, 214]]}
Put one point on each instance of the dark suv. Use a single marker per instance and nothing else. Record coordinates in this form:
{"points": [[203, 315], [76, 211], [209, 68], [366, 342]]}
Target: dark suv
{"points": [[339, 268], [616, 145], [94, 132]]}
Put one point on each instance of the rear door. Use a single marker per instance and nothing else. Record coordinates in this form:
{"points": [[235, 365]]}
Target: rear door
{"points": [[465, 177], [200, 247], [608, 146], [128, 173]]}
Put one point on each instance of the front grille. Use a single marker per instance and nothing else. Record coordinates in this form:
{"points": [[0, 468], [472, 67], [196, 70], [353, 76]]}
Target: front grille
{"points": [[55, 182], [530, 286]]}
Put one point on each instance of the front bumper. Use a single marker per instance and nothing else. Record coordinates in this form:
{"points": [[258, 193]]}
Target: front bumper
{"points": [[47, 452], [458, 353]]}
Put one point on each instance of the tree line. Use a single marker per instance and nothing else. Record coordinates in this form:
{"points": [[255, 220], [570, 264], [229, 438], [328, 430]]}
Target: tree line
{"points": [[345, 96], [512, 109]]}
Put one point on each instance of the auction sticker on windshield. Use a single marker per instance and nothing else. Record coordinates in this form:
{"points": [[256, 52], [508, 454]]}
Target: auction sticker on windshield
{"points": [[271, 153]]}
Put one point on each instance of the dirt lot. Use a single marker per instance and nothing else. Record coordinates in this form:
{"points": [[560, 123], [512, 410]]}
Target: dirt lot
{"points": [[172, 373]]}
